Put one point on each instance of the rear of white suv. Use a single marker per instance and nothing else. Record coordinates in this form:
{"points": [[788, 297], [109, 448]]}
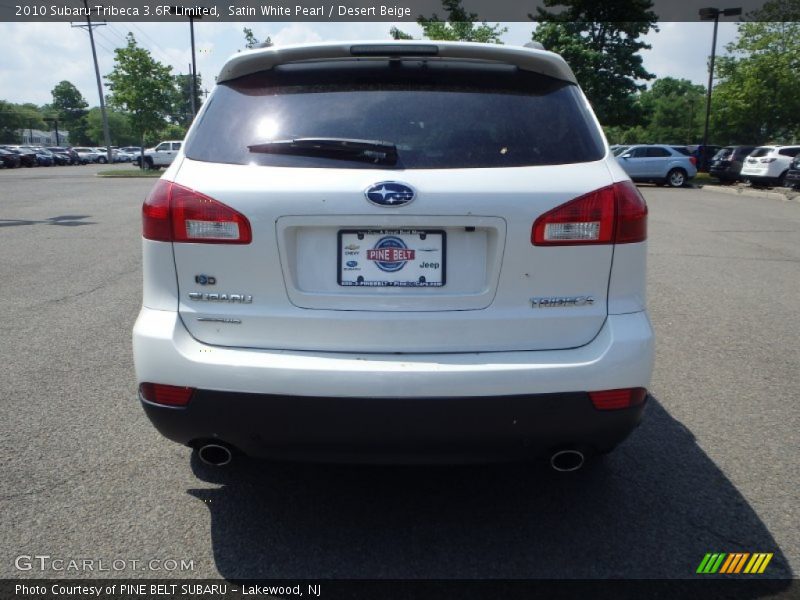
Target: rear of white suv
{"points": [[395, 252], [768, 165]]}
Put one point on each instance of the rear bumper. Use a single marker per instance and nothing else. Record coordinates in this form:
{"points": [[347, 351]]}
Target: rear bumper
{"points": [[392, 430], [392, 406], [758, 174], [725, 171]]}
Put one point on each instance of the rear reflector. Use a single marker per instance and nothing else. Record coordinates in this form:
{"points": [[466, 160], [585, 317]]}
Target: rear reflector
{"points": [[616, 214], [169, 395], [616, 399], [173, 213]]}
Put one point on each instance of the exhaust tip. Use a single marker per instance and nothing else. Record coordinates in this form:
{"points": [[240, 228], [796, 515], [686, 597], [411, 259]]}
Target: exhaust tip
{"points": [[215, 455], [565, 461]]}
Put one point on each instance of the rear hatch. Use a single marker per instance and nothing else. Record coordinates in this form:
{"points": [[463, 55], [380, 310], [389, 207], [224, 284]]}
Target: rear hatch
{"points": [[757, 160], [722, 159], [417, 240]]}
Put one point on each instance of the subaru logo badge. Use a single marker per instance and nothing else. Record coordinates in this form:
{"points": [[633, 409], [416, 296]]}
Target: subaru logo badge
{"points": [[389, 193]]}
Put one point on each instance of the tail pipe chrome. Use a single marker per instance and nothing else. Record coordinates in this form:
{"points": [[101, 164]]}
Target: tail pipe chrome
{"points": [[565, 461], [215, 455]]}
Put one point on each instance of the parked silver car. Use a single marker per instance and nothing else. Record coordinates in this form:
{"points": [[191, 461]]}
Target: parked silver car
{"points": [[657, 164]]}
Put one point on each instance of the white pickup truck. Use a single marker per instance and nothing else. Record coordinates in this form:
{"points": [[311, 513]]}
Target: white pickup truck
{"points": [[160, 156]]}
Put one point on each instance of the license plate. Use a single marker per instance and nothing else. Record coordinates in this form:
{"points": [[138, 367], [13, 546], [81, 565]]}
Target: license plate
{"points": [[392, 258]]}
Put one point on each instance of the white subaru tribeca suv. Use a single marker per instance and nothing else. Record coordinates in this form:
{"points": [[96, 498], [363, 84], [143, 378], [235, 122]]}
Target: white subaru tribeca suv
{"points": [[395, 252]]}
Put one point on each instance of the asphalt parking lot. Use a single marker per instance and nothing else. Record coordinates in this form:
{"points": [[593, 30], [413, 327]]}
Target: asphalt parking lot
{"points": [[713, 468]]}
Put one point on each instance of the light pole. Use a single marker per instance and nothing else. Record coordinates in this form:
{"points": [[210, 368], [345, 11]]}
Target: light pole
{"points": [[192, 14], [707, 14]]}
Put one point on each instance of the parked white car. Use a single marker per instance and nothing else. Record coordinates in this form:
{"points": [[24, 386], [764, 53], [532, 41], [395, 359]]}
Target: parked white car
{"points": [[130, 153], [425, 251], [162, 155], [102, 152], [768, 165], [86, 155]]}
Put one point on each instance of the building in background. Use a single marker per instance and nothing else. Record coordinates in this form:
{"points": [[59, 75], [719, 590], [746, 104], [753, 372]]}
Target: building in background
{"points": [[38, 137]]}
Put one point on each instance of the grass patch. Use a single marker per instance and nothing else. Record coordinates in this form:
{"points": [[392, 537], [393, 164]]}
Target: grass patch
{"points": [[130, 173], [704, 179]]}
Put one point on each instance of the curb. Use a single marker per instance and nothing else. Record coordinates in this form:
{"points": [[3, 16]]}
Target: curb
{"points": [[787, 196]]}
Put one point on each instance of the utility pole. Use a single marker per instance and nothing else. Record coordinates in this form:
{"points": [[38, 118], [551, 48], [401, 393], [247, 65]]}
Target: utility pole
{"points": [[89, 26], [192, 14], [194, 69], [191, 92], [707, 14]]}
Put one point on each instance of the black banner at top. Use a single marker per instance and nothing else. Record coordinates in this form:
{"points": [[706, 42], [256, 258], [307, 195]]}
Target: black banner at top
{"points": [[359, 10]]}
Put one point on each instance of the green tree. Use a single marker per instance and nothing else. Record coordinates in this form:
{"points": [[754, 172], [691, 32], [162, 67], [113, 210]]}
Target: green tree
{"points": [[600, 41], [16, 117], [142, 87], [251, 41], [459, 26], [119, 127], [673, 111], [182, 99], [173, 131], [757, 97], [70, 107]]}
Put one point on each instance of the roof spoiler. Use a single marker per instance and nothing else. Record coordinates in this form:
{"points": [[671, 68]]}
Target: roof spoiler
{"points": [[529, 58]]}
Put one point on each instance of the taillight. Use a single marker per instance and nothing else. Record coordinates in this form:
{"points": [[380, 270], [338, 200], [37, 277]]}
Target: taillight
{"points": [[693, 160], [173, 213], [616, 399], [168, 395], [616, 214]]}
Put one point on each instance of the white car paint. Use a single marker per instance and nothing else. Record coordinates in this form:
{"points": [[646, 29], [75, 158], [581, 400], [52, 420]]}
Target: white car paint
{"points": [[479, 336], [768, 164]]}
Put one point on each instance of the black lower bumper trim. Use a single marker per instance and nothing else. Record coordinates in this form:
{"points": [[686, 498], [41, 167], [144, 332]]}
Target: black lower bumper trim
{"points": [[396, 429]]}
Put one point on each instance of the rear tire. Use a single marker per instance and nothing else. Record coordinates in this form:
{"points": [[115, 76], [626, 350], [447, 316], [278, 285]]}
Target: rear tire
{"points": [[781, 181], [102, 160], [676, 178]]}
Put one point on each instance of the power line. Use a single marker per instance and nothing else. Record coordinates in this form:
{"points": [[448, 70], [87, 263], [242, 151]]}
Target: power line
{"points": [[154, 44], [107, 39], [113, 30], [90, 28]]}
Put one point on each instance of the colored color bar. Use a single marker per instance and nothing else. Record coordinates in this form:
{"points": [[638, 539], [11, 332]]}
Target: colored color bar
{"points": [[703, 563], [749, 566], [765, 563], [717, 564], [742, 559], [727, 564], [757, 564]]}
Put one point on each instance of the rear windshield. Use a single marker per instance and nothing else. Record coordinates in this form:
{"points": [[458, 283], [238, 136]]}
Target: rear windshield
{"points": [[761, 151], [439, 116]]}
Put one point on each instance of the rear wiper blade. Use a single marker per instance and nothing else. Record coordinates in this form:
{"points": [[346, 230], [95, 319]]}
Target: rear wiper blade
{"points": [[373, 151]]}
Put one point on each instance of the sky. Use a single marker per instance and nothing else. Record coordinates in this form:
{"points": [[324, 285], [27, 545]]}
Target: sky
{"points": [[34, 57]]}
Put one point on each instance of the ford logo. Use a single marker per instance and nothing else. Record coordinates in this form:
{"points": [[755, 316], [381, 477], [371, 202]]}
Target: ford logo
{"points": [[389, 193]]}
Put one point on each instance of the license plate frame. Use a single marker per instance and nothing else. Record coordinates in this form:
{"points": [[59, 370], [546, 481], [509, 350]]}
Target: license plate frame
{"points": [[378, 233]]}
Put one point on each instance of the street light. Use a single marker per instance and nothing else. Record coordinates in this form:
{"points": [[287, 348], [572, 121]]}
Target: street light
{"points": [[708, 14], [192, 14]]}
